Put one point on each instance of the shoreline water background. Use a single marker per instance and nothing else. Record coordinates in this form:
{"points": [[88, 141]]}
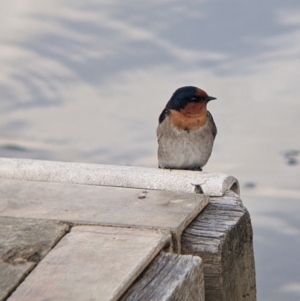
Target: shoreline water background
{"points": [[86, 82]]}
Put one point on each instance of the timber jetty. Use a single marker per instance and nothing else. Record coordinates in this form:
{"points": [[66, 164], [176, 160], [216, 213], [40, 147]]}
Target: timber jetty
{"points": [[73, 231]]}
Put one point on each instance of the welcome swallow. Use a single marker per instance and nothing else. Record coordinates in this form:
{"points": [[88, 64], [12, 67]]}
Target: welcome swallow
{"points": [[186, 130]]}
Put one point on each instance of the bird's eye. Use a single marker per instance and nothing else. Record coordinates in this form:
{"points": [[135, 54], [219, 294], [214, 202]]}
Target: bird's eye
{"points": [[193, 99]]}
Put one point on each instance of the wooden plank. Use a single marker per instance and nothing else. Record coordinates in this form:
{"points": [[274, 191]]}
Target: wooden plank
{"points": [[11, 276], [169, 277], [23, 243], [92, 263], [222, 236], [101, 205]]}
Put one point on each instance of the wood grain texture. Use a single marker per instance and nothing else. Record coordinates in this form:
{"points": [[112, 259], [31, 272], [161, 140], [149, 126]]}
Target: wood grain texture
{"points": [[102, 205], [23, 243], [92, 263], [222, 236], [169, 277]]}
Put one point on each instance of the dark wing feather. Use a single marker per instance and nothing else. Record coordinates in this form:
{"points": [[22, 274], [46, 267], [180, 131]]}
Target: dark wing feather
{"points": [[214, 128], [163, 115]]}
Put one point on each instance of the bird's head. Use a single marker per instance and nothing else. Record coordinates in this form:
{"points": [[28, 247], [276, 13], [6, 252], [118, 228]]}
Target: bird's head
{"points": [[188, 95]]}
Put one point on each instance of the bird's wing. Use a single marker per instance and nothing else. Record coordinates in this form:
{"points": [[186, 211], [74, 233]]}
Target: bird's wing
{"points": [[163, 115], [214, 127]]}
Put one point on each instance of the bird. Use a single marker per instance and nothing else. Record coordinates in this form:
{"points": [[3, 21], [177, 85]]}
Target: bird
{"points": [[186, 130]]}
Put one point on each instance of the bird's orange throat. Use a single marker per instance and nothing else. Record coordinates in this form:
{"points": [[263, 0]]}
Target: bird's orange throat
{"points": [[191, 117]]}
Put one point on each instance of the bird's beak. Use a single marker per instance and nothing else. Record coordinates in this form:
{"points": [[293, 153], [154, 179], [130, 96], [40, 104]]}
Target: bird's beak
{"points": [[209, 98]]}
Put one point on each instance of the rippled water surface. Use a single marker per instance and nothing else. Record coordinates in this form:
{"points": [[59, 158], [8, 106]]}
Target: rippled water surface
{"points": [[86, 81]]}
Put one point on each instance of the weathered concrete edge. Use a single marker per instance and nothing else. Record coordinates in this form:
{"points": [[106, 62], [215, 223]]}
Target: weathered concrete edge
{"points": [[212, 184]]}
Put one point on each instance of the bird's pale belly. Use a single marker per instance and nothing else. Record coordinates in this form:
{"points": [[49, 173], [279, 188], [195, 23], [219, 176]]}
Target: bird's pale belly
{"points": [[185, 149]]}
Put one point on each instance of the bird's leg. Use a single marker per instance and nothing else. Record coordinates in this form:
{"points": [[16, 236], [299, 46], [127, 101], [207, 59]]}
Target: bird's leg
{"points": [[198, 168]]}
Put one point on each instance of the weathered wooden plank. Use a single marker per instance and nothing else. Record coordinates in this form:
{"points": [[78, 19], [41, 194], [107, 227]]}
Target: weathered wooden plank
{"points": [[92, 263], [101, 205], [222, 236], [23, 243], [11, 276], [169, 277]]}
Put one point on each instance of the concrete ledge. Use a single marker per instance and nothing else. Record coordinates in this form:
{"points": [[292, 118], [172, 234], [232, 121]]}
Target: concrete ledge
{"points": [[212, 184]]}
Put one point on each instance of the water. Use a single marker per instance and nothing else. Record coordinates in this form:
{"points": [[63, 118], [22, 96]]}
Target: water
{"points": [[86, 82]]}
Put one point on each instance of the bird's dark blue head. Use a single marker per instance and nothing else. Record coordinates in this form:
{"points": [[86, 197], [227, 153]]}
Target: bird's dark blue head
{"points": [[182, 96]]}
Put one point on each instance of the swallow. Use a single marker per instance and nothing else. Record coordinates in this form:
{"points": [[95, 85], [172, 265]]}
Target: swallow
{"points": [[186, 130]]}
